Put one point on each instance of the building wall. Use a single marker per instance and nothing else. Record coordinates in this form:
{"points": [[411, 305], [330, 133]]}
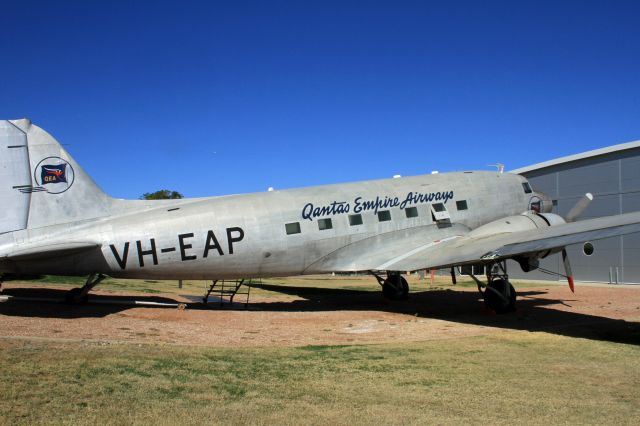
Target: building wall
{"points": [[614, 180]]}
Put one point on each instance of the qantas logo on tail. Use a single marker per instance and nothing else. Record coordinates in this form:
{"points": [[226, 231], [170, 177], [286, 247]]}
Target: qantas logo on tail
{"points": [[54, 175]]}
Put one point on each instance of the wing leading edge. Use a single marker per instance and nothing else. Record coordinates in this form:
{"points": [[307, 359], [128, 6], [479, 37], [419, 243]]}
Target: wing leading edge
{"points": [[485, 249]]}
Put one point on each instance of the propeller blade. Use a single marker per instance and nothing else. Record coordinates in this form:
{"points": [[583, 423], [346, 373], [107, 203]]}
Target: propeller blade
{"points": [[573, 214], [567, 269], [579, 208]]}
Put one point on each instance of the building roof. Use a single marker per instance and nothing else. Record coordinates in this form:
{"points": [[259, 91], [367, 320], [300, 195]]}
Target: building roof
{"points": [[581, 156]]}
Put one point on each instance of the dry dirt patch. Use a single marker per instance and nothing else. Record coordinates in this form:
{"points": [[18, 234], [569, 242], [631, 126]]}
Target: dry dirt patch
{"points": [[335, 319]]}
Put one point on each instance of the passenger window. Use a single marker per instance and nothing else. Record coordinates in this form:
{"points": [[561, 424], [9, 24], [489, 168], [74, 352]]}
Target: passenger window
{"points": [[292, 228], [461, 205], [439, 207], [324, 224], [384, 216], [355, 219], [526, 187], [411, 212]]}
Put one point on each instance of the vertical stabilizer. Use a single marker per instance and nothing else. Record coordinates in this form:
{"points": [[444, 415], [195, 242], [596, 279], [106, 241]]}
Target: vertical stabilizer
{"points": [[40, 184]]}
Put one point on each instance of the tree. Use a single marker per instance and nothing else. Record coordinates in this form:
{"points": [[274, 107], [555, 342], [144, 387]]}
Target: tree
{"points": [[163, 194]]}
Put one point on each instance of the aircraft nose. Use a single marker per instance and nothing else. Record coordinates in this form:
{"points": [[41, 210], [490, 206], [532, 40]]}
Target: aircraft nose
{"points": [[541, 202]]}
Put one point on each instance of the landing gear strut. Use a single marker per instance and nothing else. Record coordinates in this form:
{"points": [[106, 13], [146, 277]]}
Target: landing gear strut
{"points": [[80, 294], [394, 287], [498, 294]]}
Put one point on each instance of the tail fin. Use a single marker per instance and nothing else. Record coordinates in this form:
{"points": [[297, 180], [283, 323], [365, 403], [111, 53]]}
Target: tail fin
{"points": [[40, 184]]}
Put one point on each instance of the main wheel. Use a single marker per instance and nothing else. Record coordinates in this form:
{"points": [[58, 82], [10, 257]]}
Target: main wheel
{"points": [[495, 295], [395, 287]]}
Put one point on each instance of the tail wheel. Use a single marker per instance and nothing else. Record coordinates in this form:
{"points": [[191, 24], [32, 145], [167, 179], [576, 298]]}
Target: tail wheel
{"points": [[498, 298], [395, 287]]}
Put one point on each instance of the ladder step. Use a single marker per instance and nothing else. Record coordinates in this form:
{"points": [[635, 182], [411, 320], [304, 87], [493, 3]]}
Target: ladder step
{"points": [[227, 291]]}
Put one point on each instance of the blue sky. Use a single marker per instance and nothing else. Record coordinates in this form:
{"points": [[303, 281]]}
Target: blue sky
{"points": [[211, 98]]}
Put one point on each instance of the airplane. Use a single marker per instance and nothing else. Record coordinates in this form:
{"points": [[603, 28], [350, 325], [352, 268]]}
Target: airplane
{"points": [[56, 221]]}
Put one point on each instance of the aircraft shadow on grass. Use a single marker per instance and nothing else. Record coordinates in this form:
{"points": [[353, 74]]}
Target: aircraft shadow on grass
{"points": [[535, 312]]}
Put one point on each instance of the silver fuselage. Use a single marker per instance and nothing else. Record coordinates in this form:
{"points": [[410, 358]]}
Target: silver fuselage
{"points": [[242, 236]]}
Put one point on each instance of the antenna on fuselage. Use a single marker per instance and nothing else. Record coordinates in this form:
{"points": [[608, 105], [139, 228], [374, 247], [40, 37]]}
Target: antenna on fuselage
{"points": [[498, 166]]}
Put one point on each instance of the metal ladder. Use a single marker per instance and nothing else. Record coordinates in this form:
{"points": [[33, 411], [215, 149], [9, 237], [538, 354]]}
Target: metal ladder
{"points": [[226, 291]]}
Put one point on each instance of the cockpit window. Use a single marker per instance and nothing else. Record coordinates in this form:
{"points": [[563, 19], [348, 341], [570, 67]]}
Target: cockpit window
{"points": [[527, 188]]}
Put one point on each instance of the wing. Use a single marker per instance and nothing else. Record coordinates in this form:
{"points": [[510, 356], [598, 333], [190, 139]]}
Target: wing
{"points": [[429, 247], [468, 249], [373, 252]]}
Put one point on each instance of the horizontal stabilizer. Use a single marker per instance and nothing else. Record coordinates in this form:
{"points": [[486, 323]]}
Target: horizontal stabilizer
{"points": [[34, 252]]}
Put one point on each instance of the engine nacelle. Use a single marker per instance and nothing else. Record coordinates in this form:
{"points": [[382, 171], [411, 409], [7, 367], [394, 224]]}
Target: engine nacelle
{"points": [[525, 222], [553, 219]]}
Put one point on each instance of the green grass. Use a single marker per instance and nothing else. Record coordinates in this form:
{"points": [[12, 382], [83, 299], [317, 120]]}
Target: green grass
{"points": [[512, 377], [509, 377]]}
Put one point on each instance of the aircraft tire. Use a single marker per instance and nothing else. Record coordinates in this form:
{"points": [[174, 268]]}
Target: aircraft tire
{"points": [[395, 287], [495, 302]]}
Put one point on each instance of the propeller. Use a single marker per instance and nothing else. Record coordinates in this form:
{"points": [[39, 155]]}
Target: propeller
{"points": [[567, 269], [579, 208], [573, 214]]}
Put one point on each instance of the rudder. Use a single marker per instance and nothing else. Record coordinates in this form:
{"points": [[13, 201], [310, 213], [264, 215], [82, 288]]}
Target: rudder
{"points": [[14, 178]]}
